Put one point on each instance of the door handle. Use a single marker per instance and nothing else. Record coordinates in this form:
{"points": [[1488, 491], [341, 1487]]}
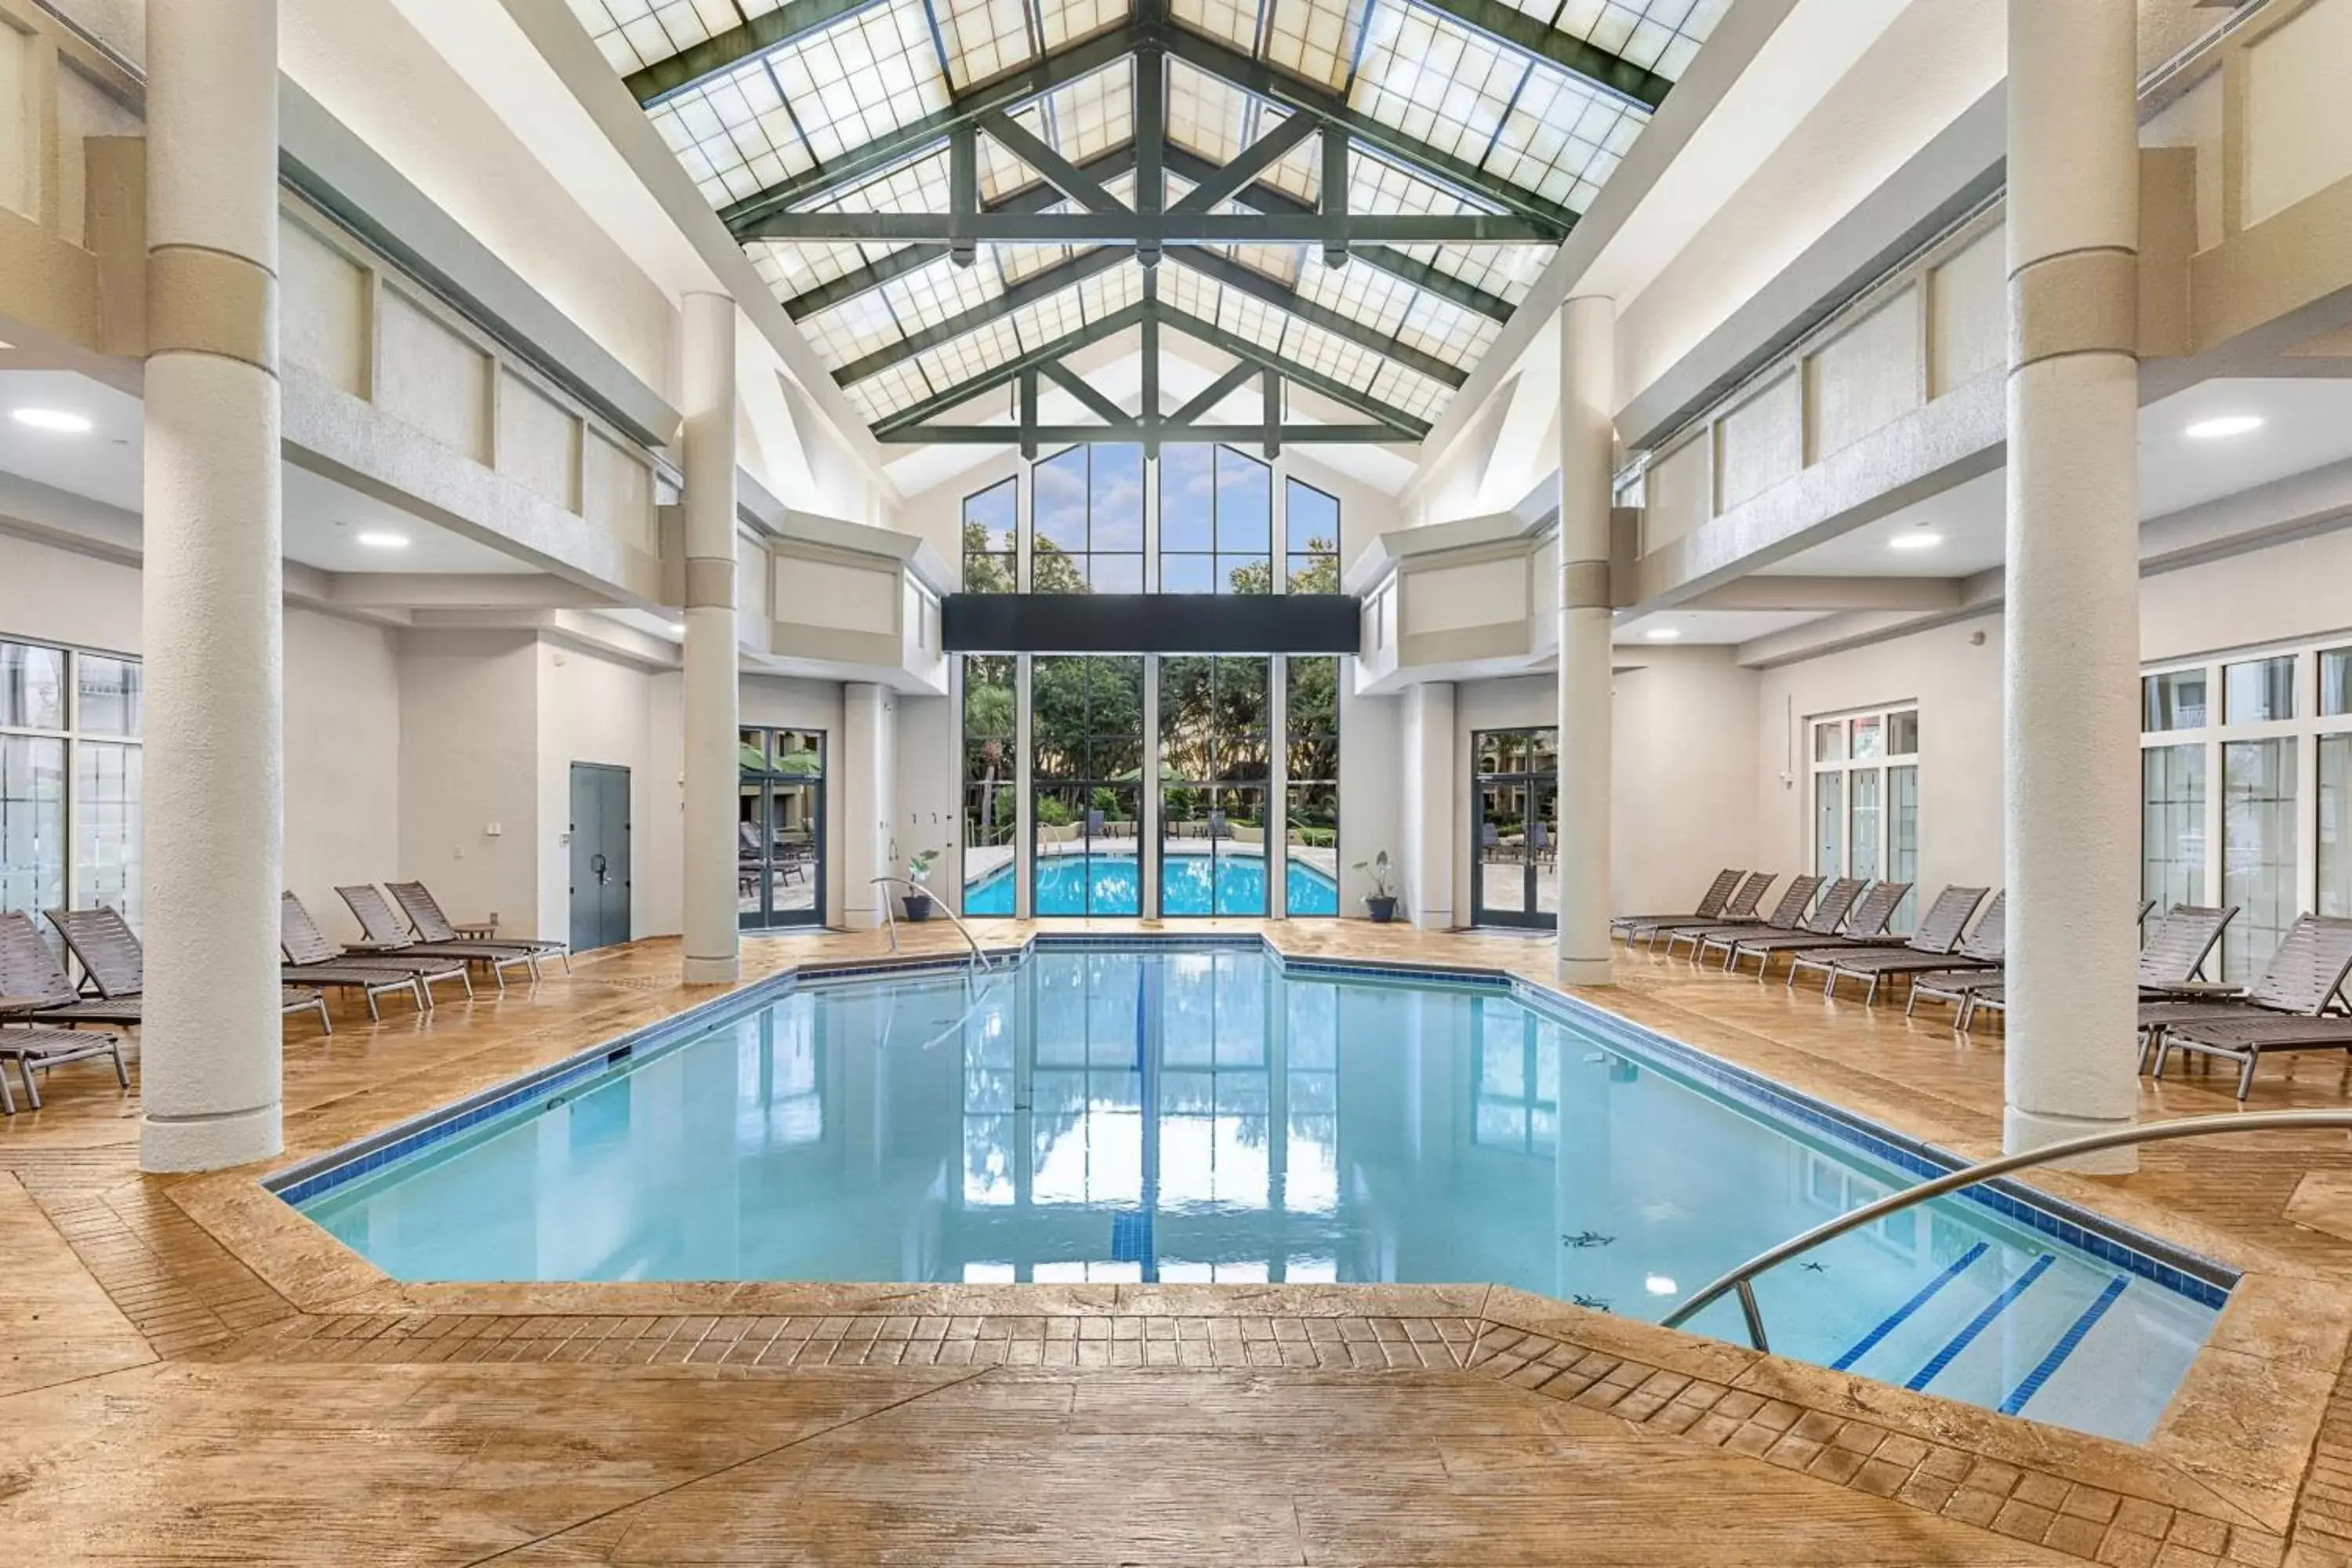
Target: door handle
{"points": [[596, 864]]}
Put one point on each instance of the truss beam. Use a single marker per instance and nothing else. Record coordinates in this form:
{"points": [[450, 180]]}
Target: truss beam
{"points": [[721, 52], [1530, 35], [1128, 228], [1012, 370], [1138, 430], [1231, 274], [1017, 297]]}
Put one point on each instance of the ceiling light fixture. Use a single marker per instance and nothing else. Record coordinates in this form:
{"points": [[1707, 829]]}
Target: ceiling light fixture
{"points": [[1919, 539], [1663, 633], [56, 419], [2223, 425], [381, 539]]}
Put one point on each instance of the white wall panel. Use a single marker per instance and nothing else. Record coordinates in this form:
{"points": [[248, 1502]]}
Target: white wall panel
{"points": [[1967, 313], [1760, 443], [1866, 377], [322, 322], [432, 378]]}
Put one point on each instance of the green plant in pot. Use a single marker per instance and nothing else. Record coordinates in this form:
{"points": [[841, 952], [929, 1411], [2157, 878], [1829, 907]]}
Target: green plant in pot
{"points": [[1382, 901], [917, 903]]}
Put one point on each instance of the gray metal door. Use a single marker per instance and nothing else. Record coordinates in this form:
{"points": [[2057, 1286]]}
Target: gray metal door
{"points": [[600, 856]]}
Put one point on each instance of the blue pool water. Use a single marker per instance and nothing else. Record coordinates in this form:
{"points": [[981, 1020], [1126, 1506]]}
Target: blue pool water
{"points": [[1233, 884], [1177, 1113]]}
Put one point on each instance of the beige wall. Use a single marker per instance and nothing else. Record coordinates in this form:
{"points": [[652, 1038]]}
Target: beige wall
{"points": [[469, 750], [591, 709]]}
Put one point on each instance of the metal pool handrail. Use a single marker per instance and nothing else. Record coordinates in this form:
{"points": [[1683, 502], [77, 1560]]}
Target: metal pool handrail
{"points": [[2152, 1132], [891, 915]]}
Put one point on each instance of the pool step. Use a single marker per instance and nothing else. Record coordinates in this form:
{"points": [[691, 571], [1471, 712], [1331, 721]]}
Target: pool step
{"points": [[1989, 1335]]}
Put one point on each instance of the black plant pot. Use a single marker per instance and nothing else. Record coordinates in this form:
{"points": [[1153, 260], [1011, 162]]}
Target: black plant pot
{"points": [[917, 906], [1382, 910]]}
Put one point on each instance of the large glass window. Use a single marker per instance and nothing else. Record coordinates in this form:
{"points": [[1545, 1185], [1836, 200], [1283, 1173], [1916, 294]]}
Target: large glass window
{"points": [[1088, 528], [2258, 853], [1216, 521], [1085, 773], [70, 779], [1866, 800], [991, 540], [990, 790], [1214, 771], [2335, 827], [779, 827], [2173, 700], [2172, 824], [1312, 524], [2259, 690], [1311, 825]]}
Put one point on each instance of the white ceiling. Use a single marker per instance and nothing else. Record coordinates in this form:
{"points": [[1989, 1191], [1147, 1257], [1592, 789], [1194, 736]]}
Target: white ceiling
{"points": [[2306, 424], [1708, 626], [323, 518]]}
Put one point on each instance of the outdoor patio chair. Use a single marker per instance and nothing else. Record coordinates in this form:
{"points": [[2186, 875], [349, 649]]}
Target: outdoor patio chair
{"points": [[387, 938], [1845, 909], [115, 965], [2282, 1011], [1939, 933], [2169, 962], [423, 913], [40, 1010], [1740, 910], [1710, 905], [312, 960], [1786, 915]]}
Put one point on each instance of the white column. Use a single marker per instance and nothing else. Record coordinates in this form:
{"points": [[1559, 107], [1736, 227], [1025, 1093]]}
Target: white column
{"points": [[209, 1070], [1429, 821], [869, 722], [2070, 746], [709, 687], [1586, 436]]}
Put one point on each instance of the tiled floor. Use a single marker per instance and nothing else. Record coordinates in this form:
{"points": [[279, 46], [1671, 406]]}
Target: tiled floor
{"points": [[189, 1372]]}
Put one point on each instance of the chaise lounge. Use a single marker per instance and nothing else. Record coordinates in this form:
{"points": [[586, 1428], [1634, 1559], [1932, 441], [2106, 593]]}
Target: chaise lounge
{"points": [[114, 963], [312, 960], [387, 939], [2282, 1011], [1787, 915], [1710, 906], [2169, 961], [1930, 946], [423, 913], [1740, 911], [40, 1012], [1833, 910]]}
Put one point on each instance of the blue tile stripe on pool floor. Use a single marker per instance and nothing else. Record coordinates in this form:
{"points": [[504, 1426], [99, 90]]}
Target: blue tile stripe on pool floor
{"points": [[1897, 1318], [2065, 1346], [1980, 1323]]}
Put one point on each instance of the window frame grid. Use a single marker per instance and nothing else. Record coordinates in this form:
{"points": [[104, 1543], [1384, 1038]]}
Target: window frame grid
{"points": [[73, 736], [1881, 765]]}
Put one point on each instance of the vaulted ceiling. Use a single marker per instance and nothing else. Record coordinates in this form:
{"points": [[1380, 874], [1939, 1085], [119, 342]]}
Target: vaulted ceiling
{"points": [[1343, 197]]}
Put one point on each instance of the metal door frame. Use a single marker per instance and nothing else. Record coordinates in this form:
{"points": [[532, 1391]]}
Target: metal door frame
{"points": [[1529, 916], [765, 918], [628, 825]]}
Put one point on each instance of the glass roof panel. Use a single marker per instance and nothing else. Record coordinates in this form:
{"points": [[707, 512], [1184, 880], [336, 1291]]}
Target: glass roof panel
{"points": [[931, 294], [984, 38], [853, 329], [1360, 293], [1212, 117], [1441, 327], [975, 354], [1656, 35], [1505, 270], [1057, 315], [1314, 38], [1234, 21], [1068, 19], [1562, 139], [1436, 80], [862, 78], [634, 34], [900, 386], [734, 134], [1409, 391]]}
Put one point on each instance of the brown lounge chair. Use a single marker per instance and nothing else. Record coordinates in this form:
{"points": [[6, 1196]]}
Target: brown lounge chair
{"points": [[1839, 903], [1932, 944], [102, 942], [1740, 910], [416, 901], [1710, 906], [37, 1024], [2283, 1011], [1786, 915], [2169, 961], [386, 938], [312, 960]]}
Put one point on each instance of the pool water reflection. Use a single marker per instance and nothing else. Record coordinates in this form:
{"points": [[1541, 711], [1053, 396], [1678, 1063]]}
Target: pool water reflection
{"points": [[1227, 884]]}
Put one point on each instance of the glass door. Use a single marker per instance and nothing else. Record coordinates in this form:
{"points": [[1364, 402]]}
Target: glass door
{"points": [[780, 829], [1515, 827]]}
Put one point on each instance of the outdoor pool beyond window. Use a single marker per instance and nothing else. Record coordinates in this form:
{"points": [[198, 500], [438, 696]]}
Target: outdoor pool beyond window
{"points": [[1188, 885]]}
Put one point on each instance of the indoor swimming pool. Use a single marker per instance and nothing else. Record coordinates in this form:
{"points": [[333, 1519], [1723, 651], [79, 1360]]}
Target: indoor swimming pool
{"points": [[1184, 1112], [1225, 884]]}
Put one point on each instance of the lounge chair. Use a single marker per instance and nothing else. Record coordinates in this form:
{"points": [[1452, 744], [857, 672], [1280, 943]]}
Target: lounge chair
{"points": [[1740, 910], [1933, 944], [2280, 1012], [114, 963], [312, 960], [1830, 911], [1710, 906], [386, 938], [1786, 915], [2169, 962], [1975, 962], [37, 1025], [416, 901]]}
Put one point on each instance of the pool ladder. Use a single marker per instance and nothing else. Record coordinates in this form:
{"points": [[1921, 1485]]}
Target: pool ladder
{"points": [[979, 957], [1969, 1177]]}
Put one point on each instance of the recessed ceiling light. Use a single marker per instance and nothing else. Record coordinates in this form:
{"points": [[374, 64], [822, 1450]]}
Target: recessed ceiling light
{"points": [[381, 539], [1918, 539], [2223, 425], [1663, 633], [1658, 1285], [56, 419]]}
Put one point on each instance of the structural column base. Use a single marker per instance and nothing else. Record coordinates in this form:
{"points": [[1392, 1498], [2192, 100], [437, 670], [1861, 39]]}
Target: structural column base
{"points": [[210, 1142], [1586, 972], [2023, 1131], [712, 971]]}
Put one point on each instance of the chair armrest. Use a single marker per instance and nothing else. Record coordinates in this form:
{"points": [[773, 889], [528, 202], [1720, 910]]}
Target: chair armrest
{"points": [[2194, 988], [23, 1004]]}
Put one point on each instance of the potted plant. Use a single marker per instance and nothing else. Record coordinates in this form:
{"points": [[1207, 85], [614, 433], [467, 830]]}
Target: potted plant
{"points": [[1380, 902], [917, 900]]}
